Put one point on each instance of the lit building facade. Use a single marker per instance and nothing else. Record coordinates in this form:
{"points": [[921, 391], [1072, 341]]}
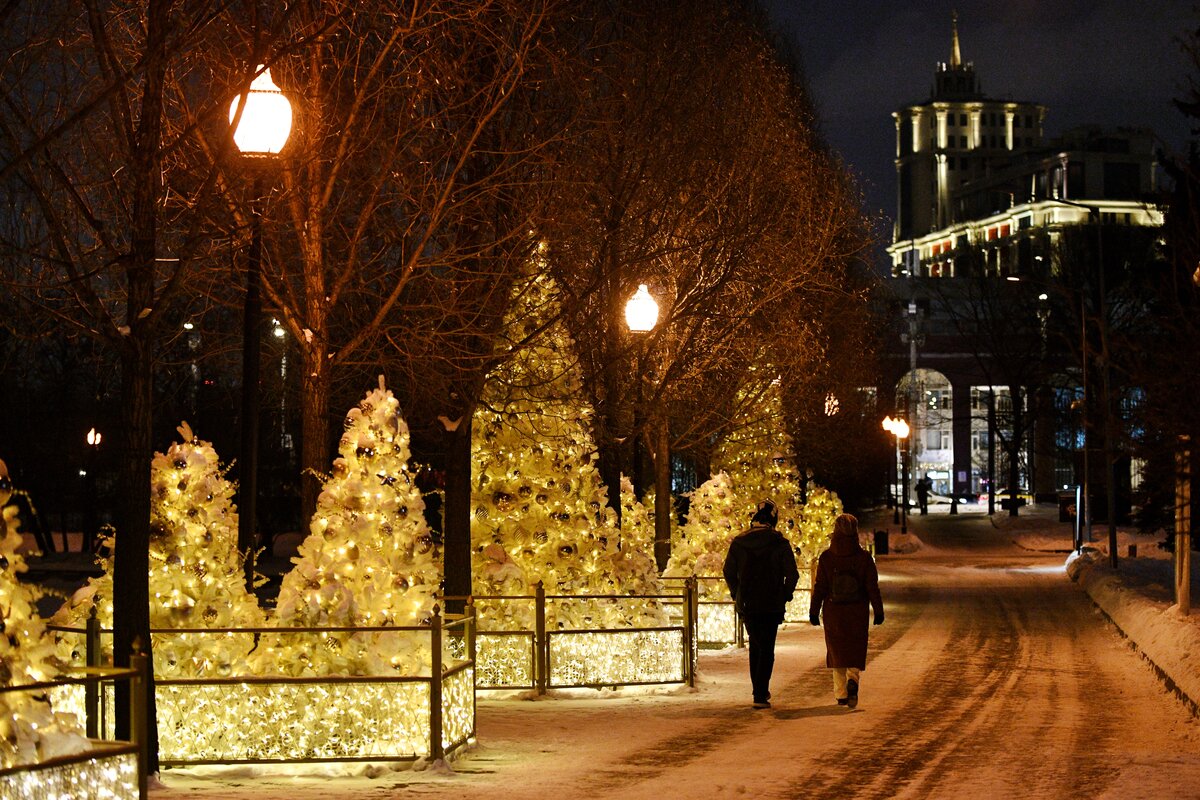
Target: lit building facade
{"points": [[983, 194]]}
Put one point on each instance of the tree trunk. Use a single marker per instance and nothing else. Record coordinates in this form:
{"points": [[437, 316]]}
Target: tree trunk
{"points": [[131, 568], [456, 515], [314, 429]]}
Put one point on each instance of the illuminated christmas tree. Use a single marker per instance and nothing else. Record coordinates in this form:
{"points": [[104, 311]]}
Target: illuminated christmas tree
{"points": [[715, 515], [758, 458], [637, 568], [637, 519], [540, 508], [369, 559], [816, 523], [30, 729], [197, 577]]}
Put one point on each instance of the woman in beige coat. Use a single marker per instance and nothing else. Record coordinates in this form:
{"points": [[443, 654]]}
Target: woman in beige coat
{"points": [[846, 590]]}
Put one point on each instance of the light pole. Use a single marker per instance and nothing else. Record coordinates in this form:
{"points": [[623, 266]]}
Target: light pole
{"points": [[641, 315], [1110, 482], [899, 428], [913, 338], [88, 542], [262, 120]]}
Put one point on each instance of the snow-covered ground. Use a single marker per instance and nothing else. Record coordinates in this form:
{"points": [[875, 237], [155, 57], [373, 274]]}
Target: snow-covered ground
{"points": [[1138, 597], [993, 676]]}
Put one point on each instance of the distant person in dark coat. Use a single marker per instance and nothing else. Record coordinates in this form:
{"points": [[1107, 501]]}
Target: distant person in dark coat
{"points": [[923, 488], [760, 571], [846, 589]]}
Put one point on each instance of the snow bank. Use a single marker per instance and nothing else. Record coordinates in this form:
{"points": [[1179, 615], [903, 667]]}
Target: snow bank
{"points": [[1138, 598]]}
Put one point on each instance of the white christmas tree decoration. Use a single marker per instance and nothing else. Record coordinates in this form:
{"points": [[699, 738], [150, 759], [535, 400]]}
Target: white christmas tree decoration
{"points": [[31, 731], [540, 510], [715, 515], [369, 559], [639, 573], [759, 460], [197, 577]]}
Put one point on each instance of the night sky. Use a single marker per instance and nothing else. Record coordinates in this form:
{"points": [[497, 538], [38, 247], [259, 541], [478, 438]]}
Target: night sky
{"points": [[1106, 62]]}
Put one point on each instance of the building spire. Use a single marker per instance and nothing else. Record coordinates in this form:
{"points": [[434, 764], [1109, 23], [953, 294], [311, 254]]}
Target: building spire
{"points": [[955, 52]]}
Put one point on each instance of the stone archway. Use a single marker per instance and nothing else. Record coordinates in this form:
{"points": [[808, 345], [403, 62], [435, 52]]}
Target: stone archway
{"points": [[928, 399]]}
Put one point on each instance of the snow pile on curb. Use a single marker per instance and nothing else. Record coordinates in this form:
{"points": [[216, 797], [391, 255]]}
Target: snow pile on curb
{"points": [[1147, 616]]}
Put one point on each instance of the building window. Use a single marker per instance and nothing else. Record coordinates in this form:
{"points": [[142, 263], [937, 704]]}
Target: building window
{"points": [[962, 120]]}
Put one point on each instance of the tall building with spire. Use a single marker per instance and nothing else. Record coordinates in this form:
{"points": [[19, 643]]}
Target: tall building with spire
{"points": [[975, 172], [1002, 244], [957, 135]]}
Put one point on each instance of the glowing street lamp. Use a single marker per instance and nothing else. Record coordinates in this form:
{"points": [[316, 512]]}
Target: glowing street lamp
{"points": [[263, 120], [641, 312], [641, 315], [90, 524], [899, 428], [266, 117]]}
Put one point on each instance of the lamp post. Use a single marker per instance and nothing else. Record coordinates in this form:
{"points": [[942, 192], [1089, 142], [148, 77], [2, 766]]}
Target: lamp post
{"points": [[263, 121], [641, 315], [899, 428], [913, 338], [1095, 214], [88, 542]]}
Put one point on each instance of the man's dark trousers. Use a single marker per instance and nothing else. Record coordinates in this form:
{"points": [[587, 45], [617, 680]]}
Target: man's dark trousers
{"points": [[762, 628]]}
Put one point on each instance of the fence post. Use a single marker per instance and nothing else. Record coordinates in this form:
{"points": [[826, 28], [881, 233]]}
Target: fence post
{"points": [[470, 633], [436, 753], [139, 685], [690, 634], [469, 630], [541, 654], [91, 692]]}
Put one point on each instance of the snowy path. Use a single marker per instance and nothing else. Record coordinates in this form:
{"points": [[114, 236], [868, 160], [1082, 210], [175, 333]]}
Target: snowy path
{"points": [[992, 677]]}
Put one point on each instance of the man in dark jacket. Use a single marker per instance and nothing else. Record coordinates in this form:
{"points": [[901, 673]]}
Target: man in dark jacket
{"points": [[760, 570]]}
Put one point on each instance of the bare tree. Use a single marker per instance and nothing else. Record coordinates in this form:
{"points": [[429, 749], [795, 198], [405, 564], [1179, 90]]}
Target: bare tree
{"points": [[108, 197], [393, 108], [701, 176]]}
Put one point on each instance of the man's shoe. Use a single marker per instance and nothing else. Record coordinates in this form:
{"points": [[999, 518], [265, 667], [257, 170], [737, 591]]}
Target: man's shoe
{"points": [[762, 703], [852, 691], [842, 701]]}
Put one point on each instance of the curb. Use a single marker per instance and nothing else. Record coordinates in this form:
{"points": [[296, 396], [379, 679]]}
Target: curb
{"points": [[1162, 674]]}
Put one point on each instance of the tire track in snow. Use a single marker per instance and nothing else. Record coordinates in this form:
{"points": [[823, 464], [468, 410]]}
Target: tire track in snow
{"points": [[907, 754], [678, 752]]}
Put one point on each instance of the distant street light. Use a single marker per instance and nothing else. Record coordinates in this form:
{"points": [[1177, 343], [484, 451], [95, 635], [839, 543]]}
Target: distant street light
{"points": [[899, 428], [263, 120], [91, 517]]}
